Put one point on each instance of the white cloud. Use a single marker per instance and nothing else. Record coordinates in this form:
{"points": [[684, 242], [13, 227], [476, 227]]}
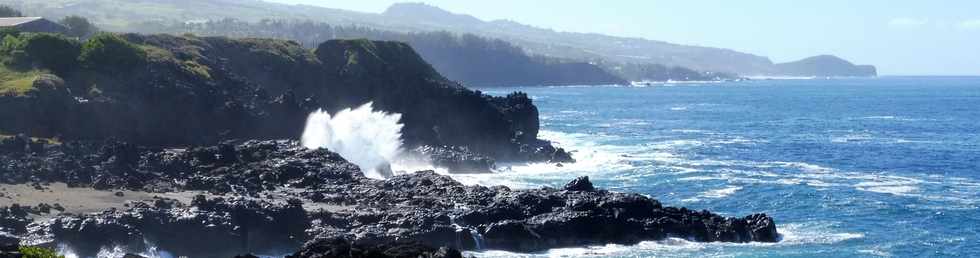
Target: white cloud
{"points": [[970, 24], [907, 22]]}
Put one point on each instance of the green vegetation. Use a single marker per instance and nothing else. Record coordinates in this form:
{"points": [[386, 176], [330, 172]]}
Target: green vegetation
{"points": [[198, 69], [16, 83], [157, 54], [38, 252], [32, 50], [52, 51], [107, 52], [367, 46], [4, 32]]}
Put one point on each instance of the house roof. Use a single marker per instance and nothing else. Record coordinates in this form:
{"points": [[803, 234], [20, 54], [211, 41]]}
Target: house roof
{"points": [[14, 21]]}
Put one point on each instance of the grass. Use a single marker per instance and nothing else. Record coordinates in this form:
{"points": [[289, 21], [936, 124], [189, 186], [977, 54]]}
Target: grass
{"points": [[156, 54], [16, 83]]}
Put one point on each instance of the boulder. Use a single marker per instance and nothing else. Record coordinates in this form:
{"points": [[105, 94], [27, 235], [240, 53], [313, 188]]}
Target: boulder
{"points": [[456, 159], [580, 184]]}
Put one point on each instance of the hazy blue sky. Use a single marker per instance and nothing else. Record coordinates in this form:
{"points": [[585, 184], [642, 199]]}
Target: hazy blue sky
{"points": [[899, 36]]}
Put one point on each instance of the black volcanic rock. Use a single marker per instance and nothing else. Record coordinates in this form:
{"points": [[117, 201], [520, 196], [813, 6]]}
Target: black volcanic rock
{"points": [[456, 159], [208, 228], [343, 248], [8, 242], [424, 208], [580, 184], [14, 220], [245, 168]]}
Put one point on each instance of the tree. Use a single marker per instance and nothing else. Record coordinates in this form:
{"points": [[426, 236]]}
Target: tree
{"points": [[79, 26], [7, 11]]}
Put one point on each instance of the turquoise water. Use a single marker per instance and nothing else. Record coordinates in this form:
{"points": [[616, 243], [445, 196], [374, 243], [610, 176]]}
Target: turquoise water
{"points": [[884, 167]]}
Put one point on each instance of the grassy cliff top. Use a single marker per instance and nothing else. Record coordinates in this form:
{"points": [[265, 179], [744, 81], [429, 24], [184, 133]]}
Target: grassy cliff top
{"points": [[16, 83]]}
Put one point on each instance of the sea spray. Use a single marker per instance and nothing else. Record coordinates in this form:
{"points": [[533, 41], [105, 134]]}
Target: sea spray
{"points": [[368, 138]]}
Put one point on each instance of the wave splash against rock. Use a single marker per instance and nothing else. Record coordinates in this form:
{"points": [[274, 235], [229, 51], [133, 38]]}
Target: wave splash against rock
{"points": [[368, 138]]}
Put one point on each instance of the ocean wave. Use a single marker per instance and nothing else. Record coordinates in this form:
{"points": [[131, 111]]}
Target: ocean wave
{"points": [[715, 194], [793, 234], [689, 131], [592, 159], [634, 165]]}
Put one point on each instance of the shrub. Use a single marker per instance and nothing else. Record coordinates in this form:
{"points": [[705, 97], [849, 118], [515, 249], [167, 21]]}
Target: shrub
{"points": [[55, 52], [12, 50], [38, 252], [4, 32], [111, 53]]}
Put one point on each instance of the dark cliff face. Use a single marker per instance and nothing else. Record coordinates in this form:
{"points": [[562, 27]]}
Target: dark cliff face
{"points": [[193, 90], [825, 66]]}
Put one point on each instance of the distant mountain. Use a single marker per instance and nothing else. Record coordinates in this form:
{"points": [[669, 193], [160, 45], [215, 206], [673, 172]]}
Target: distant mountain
{"points": [[825, 65], [588, 46], [417, 17]]}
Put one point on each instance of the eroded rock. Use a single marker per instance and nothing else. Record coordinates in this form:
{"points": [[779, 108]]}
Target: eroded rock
{"points": [[280, 195]]}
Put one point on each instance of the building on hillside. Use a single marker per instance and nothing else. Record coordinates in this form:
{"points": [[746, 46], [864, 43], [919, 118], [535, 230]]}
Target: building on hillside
{"points": [[32, 24]]}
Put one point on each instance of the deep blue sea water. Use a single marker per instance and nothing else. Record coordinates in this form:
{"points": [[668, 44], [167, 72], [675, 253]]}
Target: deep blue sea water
{"points": [[884, 167]]}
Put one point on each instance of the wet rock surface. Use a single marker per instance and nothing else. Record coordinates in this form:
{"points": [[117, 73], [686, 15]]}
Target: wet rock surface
{"points": [[456, 159], [278, 195], [216, 227], [344, 248]]}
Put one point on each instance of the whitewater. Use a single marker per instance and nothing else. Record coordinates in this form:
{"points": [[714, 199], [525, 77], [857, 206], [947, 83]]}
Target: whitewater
{"points": [[371, 139], [883, 167]]}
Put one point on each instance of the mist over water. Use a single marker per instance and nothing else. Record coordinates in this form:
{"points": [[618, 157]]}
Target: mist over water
{"points": [[369, 138]]}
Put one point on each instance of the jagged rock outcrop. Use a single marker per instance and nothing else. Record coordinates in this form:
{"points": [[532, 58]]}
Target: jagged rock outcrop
{"points": [[457, 159], [319, 195], [580, 184]]}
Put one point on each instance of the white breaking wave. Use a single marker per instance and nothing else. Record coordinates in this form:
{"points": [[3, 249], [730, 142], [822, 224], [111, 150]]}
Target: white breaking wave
{"points": [[591, 158], [721, 193], [368, 138]]}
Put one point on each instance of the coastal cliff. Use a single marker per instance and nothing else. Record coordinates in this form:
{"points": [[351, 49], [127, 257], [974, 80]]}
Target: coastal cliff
{"points": [[166, 90]]}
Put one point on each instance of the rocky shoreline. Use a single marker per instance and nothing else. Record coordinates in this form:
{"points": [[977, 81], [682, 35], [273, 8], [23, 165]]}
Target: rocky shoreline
{"points": [[276, 196], [152, 120]]}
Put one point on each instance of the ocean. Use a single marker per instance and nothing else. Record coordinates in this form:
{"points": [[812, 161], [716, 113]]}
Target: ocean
{"points": [[878, 167]]}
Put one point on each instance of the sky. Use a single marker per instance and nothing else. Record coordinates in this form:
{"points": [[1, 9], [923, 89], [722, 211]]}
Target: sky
{"points": [[900, 37]]}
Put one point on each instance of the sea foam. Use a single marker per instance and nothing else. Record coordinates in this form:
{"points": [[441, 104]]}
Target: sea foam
{"points": [[368, 138]]}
